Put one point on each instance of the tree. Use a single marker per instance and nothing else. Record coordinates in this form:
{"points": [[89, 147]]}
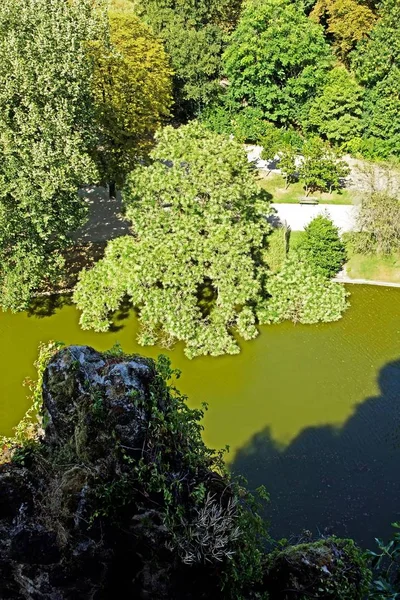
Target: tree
{"points": [[276, 60], [193, 267], [378, 221], [132, 87], [347, 22], [287, 165], [322, 246], [46, 135], [320, 169], [336, 113], [377, 66], [193, 33], [300, 294]]}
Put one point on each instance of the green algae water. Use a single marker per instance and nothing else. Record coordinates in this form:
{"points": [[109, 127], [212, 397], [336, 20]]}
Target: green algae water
{"points": [[312, 412]]}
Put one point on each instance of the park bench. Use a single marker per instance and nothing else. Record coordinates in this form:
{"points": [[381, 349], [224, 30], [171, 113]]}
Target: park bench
{"points": [[312, 201]]}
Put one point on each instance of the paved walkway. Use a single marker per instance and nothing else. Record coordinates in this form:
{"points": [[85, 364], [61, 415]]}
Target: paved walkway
{"points": [[105, 220], [297, 216], [341, 279]]}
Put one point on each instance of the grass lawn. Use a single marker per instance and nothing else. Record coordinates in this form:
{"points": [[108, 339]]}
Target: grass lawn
{"points": [[361, 266], [274, 184], [378, 268]]}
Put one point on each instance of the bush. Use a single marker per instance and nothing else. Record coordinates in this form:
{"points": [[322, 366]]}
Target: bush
{"points": [[300, 294], [328, 569], [277, 248], [323, 247]]}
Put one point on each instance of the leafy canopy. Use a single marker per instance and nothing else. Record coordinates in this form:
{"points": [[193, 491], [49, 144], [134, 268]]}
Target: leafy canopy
{"points": [[300, 294], [323, 247], [347, 22], [277, 59], [193, 33], [46, 135], [336, 112], [132, 87], [377, 65], [193, 266], [379, 222], [320, 169]]}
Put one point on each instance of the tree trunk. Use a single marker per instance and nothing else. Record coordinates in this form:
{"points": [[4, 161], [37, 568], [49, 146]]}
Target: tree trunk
{"points": [[112, 189]]}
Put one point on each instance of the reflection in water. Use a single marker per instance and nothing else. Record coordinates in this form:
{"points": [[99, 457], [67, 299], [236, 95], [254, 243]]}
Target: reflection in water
{"points": [[344, 481]]}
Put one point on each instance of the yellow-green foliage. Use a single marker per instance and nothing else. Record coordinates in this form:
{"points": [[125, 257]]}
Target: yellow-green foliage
{"points": [[277, 249], [133, 91], [348, 22]]}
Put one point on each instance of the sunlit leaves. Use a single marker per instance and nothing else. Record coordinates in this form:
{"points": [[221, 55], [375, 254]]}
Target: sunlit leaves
{"points": [[193, 266]]}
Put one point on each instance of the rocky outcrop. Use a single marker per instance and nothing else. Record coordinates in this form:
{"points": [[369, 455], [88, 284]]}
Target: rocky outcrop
{"points": [[86, 513], [119, 497]]}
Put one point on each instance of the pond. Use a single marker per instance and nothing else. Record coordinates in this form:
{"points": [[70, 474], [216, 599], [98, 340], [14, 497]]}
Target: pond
{"points": [[312, 412]]}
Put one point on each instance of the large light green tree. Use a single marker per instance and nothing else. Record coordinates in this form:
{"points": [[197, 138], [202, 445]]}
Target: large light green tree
{"points": [[194, 266], [46, 134], [277, 59]]}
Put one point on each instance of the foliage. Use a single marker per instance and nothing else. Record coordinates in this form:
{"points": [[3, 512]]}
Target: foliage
{"points": [[320, 169], [377, 65], [276, 59], [287, 165], [322, 246], [347, 22], [46, 134], [336, 113], [132, 88], [299, 293], [193, 34], [329, 569], [385, 564], [276, 252], [29, 429], [379, 222], [246, 125], [193, 266]]}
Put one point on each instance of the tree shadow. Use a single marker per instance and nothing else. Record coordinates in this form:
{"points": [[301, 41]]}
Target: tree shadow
{"points": [[120, 315], [343, 481], [46, 306]]}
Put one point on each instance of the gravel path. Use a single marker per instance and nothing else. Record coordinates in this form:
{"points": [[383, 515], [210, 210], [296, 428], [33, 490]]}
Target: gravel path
{"points": [[105, 220]]}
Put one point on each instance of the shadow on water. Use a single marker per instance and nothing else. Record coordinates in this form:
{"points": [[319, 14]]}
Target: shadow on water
{"points": [[121, 315], [46, 306], [343, 481]]}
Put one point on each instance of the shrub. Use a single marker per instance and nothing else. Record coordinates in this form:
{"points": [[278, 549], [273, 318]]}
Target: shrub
{"points": [[330, 569], [323, 247], [277, 248], [300, 294]]}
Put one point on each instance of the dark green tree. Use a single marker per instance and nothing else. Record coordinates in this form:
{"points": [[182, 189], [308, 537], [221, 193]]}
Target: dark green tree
{"points": [[377, 66], [277, 59], [193, 33], [323, 247], [336, 112]]}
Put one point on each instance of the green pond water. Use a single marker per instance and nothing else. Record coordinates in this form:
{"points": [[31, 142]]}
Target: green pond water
{"points": [[312, 412]]}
